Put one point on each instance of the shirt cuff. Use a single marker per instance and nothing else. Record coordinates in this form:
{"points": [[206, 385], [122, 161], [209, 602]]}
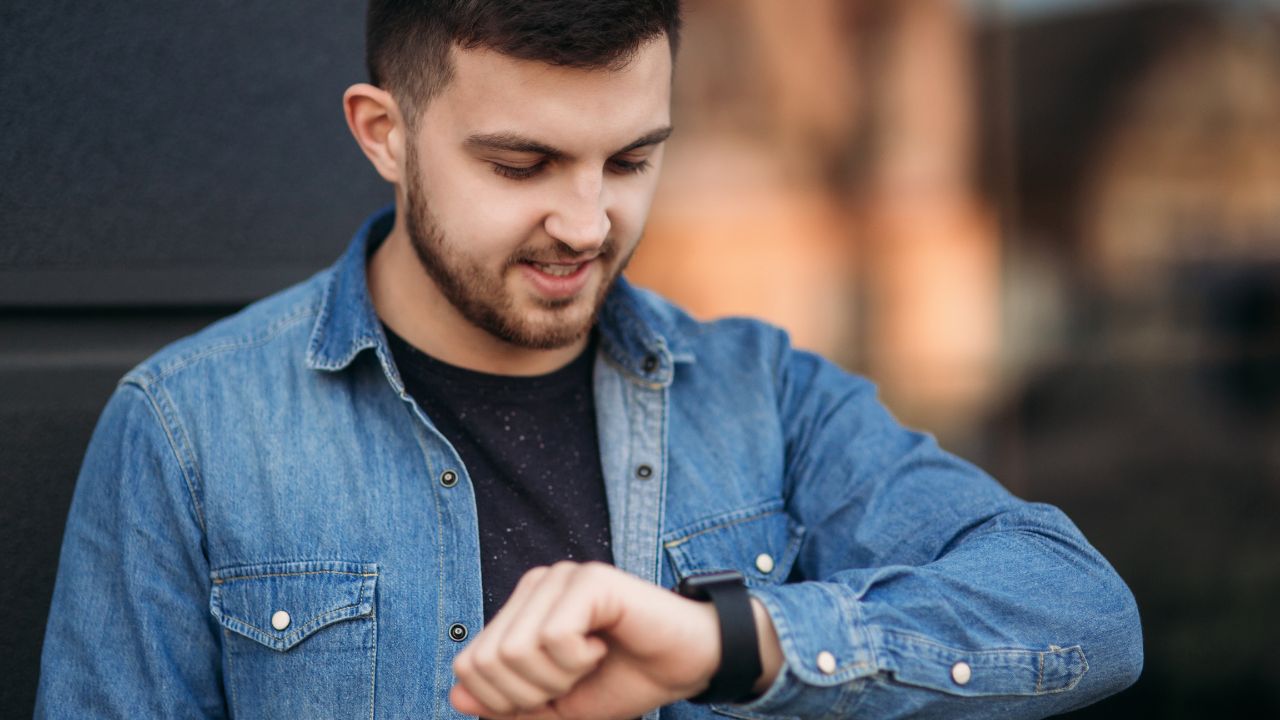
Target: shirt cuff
{"points": [[825, 647]]}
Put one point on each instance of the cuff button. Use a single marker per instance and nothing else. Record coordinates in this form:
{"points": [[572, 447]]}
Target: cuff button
{"points": [[764, 563], [826, 662], [961, 672]]}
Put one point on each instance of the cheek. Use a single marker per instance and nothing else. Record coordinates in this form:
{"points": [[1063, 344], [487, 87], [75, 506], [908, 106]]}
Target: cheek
{"points": [[630, 210], [481, 222]]}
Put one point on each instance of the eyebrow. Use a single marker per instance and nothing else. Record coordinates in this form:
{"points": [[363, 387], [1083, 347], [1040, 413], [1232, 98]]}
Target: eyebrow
{"points": [[511, 142]]}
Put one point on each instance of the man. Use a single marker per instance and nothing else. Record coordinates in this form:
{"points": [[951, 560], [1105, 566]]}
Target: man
{"points": [[348, 499]]}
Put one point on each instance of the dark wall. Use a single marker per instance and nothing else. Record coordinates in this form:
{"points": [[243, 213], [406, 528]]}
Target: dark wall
{"points": [[163, 164]]}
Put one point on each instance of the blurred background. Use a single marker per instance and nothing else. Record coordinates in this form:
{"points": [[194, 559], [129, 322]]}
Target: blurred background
{"points": [[1048, 229]]}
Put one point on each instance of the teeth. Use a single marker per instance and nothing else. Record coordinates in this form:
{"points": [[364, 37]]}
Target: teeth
{"points": [[557, 270]]}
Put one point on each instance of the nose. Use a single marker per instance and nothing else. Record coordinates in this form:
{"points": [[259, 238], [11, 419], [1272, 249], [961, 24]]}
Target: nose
{"points": [[580, 218]]}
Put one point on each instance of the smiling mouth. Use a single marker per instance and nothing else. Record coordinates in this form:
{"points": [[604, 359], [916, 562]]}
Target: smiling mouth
{"points": [[558, 270]]}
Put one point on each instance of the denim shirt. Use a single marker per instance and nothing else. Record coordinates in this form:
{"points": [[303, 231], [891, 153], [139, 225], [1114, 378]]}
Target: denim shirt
{"points": [[267, 526]]}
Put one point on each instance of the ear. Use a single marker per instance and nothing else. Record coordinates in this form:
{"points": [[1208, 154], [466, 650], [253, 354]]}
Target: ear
{"points": [[379, 129]]}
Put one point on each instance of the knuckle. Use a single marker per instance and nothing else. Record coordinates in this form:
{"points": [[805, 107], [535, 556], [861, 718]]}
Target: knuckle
{"points": [[552, 636], [533, 575], [486, 662], [565, 566], [513, 651]]}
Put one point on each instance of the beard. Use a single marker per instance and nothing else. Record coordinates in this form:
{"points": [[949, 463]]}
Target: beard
{"points": [[482, 297]]}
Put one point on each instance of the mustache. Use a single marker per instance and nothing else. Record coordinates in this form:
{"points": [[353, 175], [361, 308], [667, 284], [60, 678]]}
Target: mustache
{"points": [[563, 254]]}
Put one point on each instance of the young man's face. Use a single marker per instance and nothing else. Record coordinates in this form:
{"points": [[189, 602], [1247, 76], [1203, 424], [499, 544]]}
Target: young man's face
{"points": [[528, 185]]}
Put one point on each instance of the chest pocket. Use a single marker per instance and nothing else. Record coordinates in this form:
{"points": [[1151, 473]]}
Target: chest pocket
{"points": [[761, 543], [299, 638]]}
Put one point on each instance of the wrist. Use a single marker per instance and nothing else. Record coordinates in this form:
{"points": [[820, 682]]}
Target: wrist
{"points": [[771, 658], [739, 664]]}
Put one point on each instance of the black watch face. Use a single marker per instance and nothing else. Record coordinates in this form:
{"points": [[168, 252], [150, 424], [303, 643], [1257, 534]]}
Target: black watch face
{"points": [[695, 586]]}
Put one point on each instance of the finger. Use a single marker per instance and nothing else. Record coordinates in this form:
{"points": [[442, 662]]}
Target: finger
{"points": [[527, 585], [521, 645], [464, 702], [588, 604], [505, 674], [464, 666], [476, 685], [575, 653]]}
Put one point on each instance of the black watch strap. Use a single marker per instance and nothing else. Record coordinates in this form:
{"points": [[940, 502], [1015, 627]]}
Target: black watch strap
{"points": [[739, 646]]}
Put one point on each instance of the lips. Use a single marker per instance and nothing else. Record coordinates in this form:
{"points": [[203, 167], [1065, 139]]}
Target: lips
{"points": [[557, 269], [558, 281]]}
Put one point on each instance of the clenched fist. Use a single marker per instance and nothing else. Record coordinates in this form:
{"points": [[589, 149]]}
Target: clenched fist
{"points": [[591, 641]]}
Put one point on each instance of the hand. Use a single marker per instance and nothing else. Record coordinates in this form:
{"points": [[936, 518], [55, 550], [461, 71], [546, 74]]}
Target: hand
{"points": [[587, 641]]}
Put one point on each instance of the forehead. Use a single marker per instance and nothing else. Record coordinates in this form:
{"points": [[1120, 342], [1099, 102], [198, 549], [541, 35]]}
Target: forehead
{"points": [[577, 110]]}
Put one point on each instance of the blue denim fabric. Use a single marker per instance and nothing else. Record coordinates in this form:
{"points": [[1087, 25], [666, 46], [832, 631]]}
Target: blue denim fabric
{"points": [[274, 462]]}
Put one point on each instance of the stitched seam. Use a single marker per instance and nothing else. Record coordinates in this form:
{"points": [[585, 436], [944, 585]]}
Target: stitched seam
{"points": [[682, 540], [1040, 677], [178, 455], [755, 510], [273, 330], [440, 641], [662, 487], [221, 580], [194, 483], [985, 656], [231, 683], [322, 319], [303, 628], [373, 663], [627, 373]]}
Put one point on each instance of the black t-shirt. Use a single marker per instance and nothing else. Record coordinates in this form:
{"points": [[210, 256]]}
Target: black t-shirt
{"points": [[530, 448]]}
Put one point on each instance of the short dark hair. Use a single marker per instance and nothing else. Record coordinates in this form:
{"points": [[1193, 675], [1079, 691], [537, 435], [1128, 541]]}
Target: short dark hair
{"points": [[407, 42]]}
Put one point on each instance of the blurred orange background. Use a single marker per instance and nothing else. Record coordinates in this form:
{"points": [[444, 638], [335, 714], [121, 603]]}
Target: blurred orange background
{"points": [[1050, 232]]}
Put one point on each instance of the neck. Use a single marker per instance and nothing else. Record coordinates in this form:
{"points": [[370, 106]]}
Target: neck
{"points": [[409, 302]]}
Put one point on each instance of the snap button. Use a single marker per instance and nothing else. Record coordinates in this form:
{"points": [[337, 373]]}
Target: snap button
{"points": [[644, 472], [448, 478], [961, 672], [280, 620], [457, 632], [650, 363], [826, 662], [764, 563]]}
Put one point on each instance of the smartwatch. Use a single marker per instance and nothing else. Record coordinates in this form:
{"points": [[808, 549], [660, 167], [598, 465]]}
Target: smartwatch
{"points": [[740, 665]]}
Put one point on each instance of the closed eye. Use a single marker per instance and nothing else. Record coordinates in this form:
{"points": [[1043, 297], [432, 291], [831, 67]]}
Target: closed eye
{"points": [[629, 167], [518, 173], [618, 165]]}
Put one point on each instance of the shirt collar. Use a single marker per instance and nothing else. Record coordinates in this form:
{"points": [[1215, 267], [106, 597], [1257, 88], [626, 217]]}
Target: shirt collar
{"points": [[347, 322], [634, 334]]}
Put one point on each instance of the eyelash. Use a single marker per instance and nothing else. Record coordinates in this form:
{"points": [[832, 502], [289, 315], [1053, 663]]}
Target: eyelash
{"points": [[622, 167]]}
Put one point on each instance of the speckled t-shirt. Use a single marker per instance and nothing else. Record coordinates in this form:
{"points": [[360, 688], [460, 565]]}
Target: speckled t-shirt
{"points": [[531, 451]]}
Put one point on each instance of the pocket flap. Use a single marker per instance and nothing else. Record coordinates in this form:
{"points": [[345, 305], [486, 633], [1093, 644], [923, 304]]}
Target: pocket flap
{"points": [[761, 543], [281, 604]]}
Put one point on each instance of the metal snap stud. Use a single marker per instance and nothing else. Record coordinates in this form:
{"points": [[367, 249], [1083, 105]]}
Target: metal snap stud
{"points": [[280, 620], [764, 563]]}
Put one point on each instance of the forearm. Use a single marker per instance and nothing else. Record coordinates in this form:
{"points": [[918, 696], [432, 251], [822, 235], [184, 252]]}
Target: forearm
{"points": [[1020, 619]]}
